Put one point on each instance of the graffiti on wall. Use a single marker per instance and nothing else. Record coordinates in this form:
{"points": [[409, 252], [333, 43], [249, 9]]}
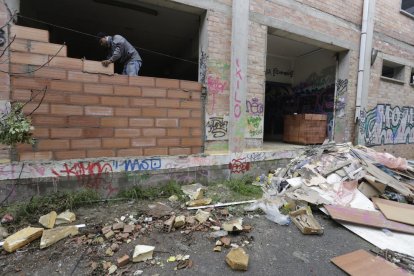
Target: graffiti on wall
{"points": [[254, 127], [275, 71], [237, 103], [217, 81], [340, 103], [217, 128], [254, 106], [239, 165], [91, 175], [384, 125], [147, 164]]}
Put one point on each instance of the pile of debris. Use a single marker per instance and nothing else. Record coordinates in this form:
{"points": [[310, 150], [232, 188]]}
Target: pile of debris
{"points": [[349, 184]]}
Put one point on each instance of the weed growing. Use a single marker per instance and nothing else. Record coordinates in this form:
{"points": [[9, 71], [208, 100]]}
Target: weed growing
{"points": [[150, 193]]}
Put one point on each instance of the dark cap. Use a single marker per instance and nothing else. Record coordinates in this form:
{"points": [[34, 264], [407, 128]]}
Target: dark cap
{"points": [[100, 35]]}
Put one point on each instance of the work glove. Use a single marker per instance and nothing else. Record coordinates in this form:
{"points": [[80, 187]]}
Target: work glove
{"points": [[106, 62]]}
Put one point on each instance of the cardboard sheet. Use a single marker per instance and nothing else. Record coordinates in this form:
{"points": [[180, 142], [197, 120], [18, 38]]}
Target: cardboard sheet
{"points": [[368, 218], [396, 211], [361, 262]]}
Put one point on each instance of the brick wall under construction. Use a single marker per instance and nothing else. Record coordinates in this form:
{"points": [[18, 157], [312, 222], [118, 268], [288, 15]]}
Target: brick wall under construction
{"points": [[87, 111]]}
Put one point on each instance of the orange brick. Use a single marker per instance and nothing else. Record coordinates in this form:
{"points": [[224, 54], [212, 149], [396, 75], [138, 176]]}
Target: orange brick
{"points": [[30, 83], [167, 83], [39, 132], [85, 144], [39, 155], [66, 63], [196, 113], [142, 81], [127, 132], [65, 132], [190, 85], [127, 91], [154, 131], [116, 101], [62, 109], [70, 154], [85, 121], [82, 77], [98, 132], [196, 150], [178, 132], [142, 102], [143, 142], [42, 109], [99, 110], [191, 104], [66, 86], [52, 97], [49, 73], [114, 122], [104, 89], [90, 66], [129, 152], [166, 122], [48, 121], [84, 100], [196, 132], [53, 144], [179, 94], [141, 122], [192, 141], [155, 151], [166, 142], [154, 112], [29, 33], [178, 113], [179, 151], [154, 92], [190, 123], [37, 47], [116, 79], [195, 95], [100, 153], [21, 94], [115, 143], [28, 58], [167, 103], [130, 112]]}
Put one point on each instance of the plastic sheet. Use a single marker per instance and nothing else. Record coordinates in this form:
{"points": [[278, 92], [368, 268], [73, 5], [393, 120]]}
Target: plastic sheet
{"points": [[271, 208]]}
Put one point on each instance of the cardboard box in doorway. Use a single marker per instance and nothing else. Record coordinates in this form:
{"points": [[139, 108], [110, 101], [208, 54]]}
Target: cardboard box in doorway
{"points": [[305, 129]]}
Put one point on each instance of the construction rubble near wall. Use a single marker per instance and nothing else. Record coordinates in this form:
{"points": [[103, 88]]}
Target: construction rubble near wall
{"points": [[367, 192]]}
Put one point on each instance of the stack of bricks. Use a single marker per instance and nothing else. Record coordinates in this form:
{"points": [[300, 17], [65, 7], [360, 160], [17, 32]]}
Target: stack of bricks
{"points": [[88, 111], [305, 128]]}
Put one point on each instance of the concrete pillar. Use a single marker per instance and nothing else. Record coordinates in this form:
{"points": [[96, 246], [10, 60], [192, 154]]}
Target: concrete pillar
{"points": [[238, 77]]}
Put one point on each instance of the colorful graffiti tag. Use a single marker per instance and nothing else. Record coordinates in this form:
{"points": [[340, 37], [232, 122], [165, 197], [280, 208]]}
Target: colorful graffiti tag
{"points": [[254, 107], [385, 125], [217, 80], [239, 165], [254, 127]]}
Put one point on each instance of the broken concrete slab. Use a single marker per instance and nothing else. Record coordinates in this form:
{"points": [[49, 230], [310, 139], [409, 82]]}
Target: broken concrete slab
{"points": [[128, 228], [48, 220], [118, 226], [179, 221], [226, 241], [158, 210], [112, 269], [217, 248], [65, 217], [109, 252], [21, 238], [233, 225], [191, 189], [52, 236], [237, 259], [109, 234], [143, 253], [198, 202], [3, 233], [202, 216]]}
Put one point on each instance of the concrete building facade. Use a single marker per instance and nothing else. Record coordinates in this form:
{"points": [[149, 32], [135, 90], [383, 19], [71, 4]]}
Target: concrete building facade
{"points": [[255, 62]]}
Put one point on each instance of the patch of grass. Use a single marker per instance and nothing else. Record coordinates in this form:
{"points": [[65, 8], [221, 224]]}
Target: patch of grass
{"points": [[244, 187], [41, 205], [150, 193]]}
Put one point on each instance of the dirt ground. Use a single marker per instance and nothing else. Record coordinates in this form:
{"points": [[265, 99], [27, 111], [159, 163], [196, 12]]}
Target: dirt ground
{"points": [[272, 249]]}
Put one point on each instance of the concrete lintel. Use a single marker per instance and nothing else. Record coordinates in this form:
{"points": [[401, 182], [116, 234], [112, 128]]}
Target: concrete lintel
{"points": [[311, 11], [393, 41], [399, 60], [203, 4], [288, 30]]}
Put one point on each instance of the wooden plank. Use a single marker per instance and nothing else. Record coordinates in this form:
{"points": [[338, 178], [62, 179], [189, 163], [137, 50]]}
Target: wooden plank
{"points": [[368, 218], [396, 211], [361, 262]]}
